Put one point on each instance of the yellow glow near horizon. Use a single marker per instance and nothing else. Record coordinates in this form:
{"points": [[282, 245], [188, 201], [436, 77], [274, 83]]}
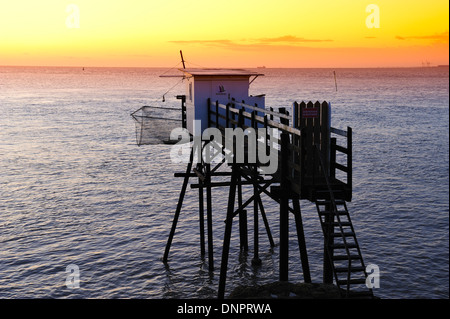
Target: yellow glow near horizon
{"points": [[323, 33]]}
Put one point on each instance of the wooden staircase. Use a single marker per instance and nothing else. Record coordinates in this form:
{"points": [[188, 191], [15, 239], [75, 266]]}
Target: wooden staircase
{"points": [[342, 248], [341, 245]]}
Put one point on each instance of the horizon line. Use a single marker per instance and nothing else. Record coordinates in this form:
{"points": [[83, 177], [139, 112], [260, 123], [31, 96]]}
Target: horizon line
{"points": [[248, 67]]}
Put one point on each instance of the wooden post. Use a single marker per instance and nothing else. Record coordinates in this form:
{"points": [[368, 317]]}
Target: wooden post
{"points": [[328, 240], [201, 216], [295, 115], [284, 121], [256, 260], [227, 235], [217, 114], [301, 239], [284, 209], [233, 118], [349, 163], [325, 135], [296, 140], [303, 140], [266, 222], [209, 112], [209, 217], [332, 159], [227, 116], [267, 137], [183, 109], [183, 114], [179, 205], [316, 140], [243, 231], [309, 142]]}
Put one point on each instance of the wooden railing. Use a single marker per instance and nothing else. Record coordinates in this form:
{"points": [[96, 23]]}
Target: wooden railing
{"points": [[346, 168], [307, 129]]}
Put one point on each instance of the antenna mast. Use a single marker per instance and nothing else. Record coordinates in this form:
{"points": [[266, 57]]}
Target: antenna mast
{"points": [[335, 82], [182, 60]]}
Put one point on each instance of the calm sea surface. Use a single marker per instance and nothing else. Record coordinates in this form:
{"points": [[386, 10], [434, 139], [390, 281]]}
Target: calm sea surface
{"points": [[75, 189]]}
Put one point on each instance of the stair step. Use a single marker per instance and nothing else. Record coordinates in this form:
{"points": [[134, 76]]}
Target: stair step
{"points": [[352, 281], [352, 269], [327, 202], [342, 224], [337, 224], [345, 234], [345, 257], [342, 246], [339, 212]]}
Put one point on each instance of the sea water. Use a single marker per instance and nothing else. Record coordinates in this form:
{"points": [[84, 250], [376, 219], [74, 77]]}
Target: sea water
{"points": [[79, 198]]}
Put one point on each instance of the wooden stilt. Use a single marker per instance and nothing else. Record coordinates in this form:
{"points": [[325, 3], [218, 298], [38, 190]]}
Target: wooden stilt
{"points": [[201, 214], [266, 222], [209, 217], [284, 210], [227, 235], [243, 231], [256, 261], [301, 240], [328, 240], [179, 205]]}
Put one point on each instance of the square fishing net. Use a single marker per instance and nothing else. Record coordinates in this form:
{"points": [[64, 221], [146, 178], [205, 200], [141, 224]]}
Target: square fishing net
{"points": [[154, 124]]}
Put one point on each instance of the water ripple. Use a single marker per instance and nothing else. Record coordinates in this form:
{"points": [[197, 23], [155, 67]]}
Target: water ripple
{"points": [[75, 189]]}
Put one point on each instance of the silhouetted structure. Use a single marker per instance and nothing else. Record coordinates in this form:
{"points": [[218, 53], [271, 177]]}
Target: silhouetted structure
{"points": [[307, 154]]}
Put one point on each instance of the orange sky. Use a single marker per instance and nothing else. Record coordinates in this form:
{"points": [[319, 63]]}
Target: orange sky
{"points": [[150, 33]]}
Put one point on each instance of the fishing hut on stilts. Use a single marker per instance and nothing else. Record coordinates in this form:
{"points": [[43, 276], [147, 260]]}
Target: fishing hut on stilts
{"points": [[297, 158]]}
